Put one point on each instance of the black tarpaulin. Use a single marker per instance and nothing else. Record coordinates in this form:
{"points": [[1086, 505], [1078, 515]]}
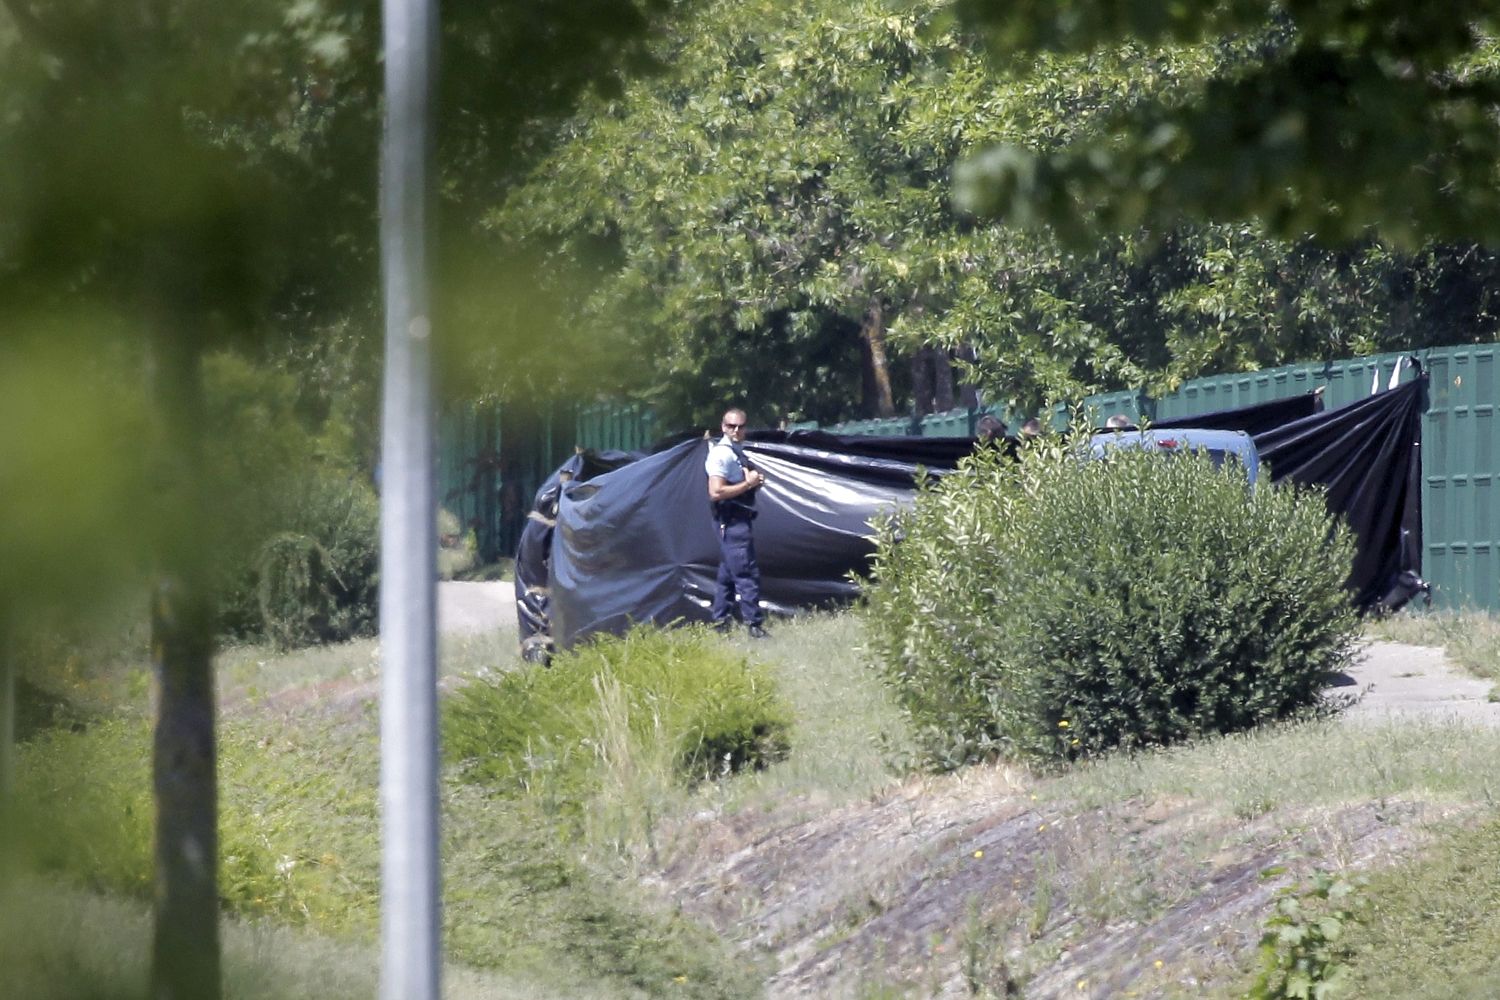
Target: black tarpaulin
{"points": [[1255, 419], [534, 548], [621, 538], [639, 543], [1367, 455]]}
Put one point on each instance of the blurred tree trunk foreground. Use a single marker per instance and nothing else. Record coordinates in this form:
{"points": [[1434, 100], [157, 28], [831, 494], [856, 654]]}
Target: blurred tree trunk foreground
{"points": [[185, 945]]}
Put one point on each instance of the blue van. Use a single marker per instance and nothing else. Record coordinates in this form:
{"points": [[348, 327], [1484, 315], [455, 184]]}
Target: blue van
{"points": [[1218, 445]]}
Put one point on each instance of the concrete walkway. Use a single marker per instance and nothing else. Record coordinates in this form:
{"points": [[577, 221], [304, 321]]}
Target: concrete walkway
{"points": [[1397, 681], [465, 608]]}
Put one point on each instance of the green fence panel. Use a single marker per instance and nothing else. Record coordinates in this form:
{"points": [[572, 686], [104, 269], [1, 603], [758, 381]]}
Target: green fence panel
{"points": [[490, 468], [880, 427], [949, 423], [613, 426], [1459, 467], [469, 471]]}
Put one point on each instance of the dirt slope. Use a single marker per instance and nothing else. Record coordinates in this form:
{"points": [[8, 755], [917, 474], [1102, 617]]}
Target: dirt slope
{"points": [[973, 884]]}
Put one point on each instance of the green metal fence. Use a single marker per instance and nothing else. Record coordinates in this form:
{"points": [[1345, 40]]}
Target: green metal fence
{"points": [[491, 467], [492, 460], [605, 426]]}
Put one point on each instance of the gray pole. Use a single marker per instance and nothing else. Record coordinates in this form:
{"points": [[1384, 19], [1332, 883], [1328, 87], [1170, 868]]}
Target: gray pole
{"points": [[411, 938]]}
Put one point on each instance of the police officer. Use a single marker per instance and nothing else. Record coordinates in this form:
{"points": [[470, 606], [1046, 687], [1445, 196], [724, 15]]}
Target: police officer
{"points": [[732, 485]]}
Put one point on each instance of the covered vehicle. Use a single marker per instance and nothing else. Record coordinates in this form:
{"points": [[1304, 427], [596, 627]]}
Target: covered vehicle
{"points": [[630, 538], [1219, 445], [621, 542]]}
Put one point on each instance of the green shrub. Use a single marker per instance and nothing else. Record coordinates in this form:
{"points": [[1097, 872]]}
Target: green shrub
{"points": [[317, 581], [677, 697], [1052, 607], [299, 523]]}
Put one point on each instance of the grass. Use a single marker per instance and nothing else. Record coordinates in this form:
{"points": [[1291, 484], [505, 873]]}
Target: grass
{"points": [[1432, 927], [299, 846], [61, 943], [535, 908], [1313, 763], [848, 739]]}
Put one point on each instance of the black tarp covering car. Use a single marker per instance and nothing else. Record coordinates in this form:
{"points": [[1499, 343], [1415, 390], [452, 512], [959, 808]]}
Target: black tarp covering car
{"points": [[606, 548], [621, 538]]}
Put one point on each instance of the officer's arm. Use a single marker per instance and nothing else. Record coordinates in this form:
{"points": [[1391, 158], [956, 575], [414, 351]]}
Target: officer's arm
{"points": [[718, 489]]}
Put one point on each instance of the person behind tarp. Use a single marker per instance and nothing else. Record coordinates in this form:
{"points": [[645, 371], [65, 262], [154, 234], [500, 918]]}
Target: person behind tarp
{"points": [[732, 484], [990, 428]]}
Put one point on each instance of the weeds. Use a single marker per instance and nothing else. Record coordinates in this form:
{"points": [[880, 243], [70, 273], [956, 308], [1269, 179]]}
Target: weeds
{"points": [[543, 897], [1304, 952], [615, 723]]}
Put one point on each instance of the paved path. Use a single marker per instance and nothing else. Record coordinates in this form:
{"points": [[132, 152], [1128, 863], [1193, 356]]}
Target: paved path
{"points": [[466, 608], [1397, 681]]}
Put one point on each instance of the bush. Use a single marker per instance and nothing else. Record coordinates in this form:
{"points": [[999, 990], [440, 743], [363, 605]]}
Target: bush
{"points": [[1053, 607], [317, 581], [555, 730], [299, 523]]}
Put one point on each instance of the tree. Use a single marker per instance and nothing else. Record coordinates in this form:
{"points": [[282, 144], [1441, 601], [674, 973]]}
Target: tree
{"points": [[177, 177], [1347, 119], [745, 213], [753, 215]]}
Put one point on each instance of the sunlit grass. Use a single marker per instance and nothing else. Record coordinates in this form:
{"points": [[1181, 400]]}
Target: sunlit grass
{"points": [[60, 943], [1312, 763], [848, 738], [536, 908]]}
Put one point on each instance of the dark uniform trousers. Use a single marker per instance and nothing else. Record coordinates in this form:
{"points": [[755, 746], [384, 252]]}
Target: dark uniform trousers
{"points": [[738, 572]]}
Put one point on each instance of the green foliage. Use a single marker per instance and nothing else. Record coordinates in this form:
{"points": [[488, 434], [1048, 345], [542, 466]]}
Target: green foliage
{"points": [[84, 804], [1304, 952], [299, 524], [554, 730], [1054, 607], [300, 845], [739, 215], [72, 490], [1341, 118], [86, 813], [1430, 928]]}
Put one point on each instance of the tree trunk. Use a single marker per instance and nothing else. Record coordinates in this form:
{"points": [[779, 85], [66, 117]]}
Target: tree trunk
{"points": [[921, 382], [942, 380], [185, 945], [878, 400]]}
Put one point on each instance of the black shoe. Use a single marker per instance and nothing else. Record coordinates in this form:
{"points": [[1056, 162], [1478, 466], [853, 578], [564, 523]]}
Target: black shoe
{"points": [[723, 626], [756, 632]]}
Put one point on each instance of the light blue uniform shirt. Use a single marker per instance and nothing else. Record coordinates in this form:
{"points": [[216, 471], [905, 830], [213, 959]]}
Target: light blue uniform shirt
{"points": [[723, 462]]}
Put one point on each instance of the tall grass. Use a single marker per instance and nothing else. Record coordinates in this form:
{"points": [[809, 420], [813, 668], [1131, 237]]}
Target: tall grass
{"points": [[535, 907], [300, 846], [58, 943]]}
